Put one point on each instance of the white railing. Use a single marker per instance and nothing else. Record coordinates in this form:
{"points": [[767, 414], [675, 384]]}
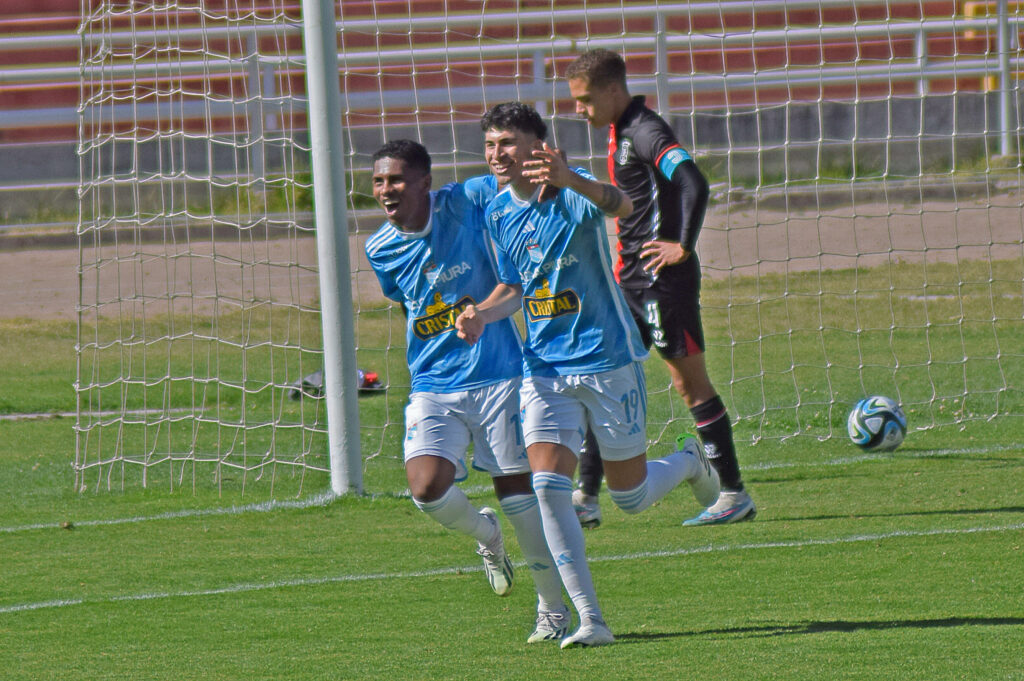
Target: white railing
{"points": [[921, 68], [538, 87]]}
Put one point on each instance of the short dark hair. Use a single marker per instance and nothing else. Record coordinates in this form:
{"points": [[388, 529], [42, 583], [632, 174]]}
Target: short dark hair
{"points": [[412, 152], [599, 67], [515, 116]]}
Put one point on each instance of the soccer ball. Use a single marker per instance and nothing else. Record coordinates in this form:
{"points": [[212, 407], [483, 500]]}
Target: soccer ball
{"points": [[877, 424]]}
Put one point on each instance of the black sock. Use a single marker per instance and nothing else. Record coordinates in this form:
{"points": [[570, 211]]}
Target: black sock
{"points": [[591, 468], [716, 432]]}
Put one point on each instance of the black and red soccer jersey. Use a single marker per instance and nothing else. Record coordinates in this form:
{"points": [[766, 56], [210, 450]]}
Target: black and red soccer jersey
{"points": [[669, 193]]}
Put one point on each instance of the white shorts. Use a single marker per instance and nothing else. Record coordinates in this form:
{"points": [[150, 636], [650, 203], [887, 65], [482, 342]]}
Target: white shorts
{"points": [[612, 403], [444, 424]]}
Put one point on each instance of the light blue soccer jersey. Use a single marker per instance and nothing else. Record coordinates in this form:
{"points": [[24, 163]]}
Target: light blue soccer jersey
{"points": [[577, 320], [435, 274]]}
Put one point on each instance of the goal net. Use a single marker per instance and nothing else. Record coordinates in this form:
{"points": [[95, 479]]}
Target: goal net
{"points": [[864, 237], [198, 273]]}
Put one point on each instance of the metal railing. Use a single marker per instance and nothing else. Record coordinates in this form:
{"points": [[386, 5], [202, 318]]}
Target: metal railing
{"points": [[261, 70], [921, 67]]}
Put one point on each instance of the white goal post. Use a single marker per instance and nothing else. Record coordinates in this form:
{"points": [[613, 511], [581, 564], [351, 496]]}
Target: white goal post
{"points": [[340, 370], [865, 234]]}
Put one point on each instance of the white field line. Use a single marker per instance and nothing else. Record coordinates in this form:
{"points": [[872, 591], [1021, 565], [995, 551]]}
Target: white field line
{"points": [[262, 507], [381, 576], [327, 498]]}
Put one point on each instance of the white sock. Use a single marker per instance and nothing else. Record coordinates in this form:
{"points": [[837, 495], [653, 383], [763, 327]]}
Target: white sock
{"points": [[663, 475], [565, 541], [454, 511], [523, 512]]}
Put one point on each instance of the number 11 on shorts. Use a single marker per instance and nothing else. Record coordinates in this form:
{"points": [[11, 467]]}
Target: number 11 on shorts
{"points": [[654, 320]]}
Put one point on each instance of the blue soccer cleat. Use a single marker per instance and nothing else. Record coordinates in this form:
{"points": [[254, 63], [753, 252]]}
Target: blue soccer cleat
{"points": [[731, 507]]}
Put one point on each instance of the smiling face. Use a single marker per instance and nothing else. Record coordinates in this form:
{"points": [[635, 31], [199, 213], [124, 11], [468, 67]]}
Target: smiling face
{"points": [[403, 192], [601, 106], [505, 152]]}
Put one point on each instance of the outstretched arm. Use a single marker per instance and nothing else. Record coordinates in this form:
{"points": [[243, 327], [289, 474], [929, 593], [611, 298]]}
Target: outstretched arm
{"points": [[550, 168], [502, 302]]}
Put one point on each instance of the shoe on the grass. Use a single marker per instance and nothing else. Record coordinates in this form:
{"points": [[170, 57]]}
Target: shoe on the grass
{"points": [[552, 625], [705, 484], [497, 566], [588, 510], [591, 633], [731, 507]]}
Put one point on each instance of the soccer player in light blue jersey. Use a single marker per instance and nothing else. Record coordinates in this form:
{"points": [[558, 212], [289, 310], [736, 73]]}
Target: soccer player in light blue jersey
{"points": [[583, 352], [431, 256]]}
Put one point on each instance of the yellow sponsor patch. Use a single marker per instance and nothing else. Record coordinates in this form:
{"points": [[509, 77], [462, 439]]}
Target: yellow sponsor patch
{"points": [[546, 305], [440, 317]]}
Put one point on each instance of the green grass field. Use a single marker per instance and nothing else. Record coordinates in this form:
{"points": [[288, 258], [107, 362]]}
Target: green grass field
{"points": [[907, 565]]}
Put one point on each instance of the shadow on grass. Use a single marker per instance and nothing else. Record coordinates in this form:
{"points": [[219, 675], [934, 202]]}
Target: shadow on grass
{"points": [[837, 626], [844, 468], [910, 514]]}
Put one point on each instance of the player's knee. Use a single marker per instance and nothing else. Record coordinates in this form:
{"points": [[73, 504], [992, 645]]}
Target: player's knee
{"points": [[426, 490], [513, 485], [429, 477]]}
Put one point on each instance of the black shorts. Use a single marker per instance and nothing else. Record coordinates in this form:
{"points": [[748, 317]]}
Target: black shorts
{"points": [[668, 313]]}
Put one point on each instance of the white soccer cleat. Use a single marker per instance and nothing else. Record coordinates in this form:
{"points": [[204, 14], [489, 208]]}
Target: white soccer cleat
{"points": [[588, 510], [705, 484], [497, 566], [552, 625], [591, 633]]}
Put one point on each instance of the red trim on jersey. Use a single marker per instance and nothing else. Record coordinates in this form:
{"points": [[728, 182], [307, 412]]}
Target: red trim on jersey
{"points": [[613, 148], [657, 161]]}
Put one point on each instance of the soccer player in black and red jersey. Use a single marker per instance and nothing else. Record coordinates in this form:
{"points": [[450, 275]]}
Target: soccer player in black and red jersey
{"points": [[658, 269]]}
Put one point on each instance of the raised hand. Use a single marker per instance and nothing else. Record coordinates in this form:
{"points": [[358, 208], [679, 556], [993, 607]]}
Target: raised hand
{"points": [[548, 167]]}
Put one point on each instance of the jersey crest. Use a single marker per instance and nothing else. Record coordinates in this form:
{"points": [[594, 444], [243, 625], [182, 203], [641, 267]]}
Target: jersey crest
{"points": [[536, 254], [430, 271], [624, 148]]}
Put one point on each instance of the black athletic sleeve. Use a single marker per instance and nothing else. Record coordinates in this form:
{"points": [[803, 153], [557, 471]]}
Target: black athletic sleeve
{"points": [[682, 195], [692, 192]]}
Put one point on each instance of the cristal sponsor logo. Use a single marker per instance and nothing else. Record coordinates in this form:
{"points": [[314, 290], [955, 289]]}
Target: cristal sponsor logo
{"points": [[440, 317], [624, 148], [545, 305]]}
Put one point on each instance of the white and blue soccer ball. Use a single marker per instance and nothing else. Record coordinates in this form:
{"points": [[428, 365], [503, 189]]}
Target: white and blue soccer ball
{"points": [[877, 424]]}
